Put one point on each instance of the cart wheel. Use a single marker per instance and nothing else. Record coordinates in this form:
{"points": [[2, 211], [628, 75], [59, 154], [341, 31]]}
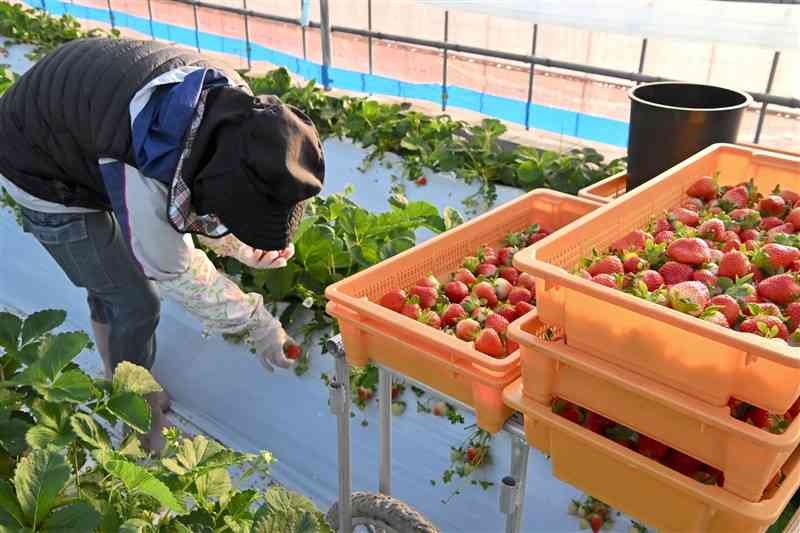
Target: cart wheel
{"points": [[376, 513]]}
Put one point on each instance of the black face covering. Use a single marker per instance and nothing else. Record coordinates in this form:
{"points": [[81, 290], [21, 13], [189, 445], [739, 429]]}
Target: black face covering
{"points": [[254, 163]]}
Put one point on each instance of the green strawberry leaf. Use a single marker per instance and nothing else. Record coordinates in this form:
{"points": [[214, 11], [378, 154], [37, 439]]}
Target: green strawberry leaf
{"points": [[89, 431], [77, 517], [131, 409], [38, 480], [10, 327], [129, 377], [138, 480], [41, 322]]}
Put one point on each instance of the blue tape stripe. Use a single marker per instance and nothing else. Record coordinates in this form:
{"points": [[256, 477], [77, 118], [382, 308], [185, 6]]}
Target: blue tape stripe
{"points": [[553, 119]]}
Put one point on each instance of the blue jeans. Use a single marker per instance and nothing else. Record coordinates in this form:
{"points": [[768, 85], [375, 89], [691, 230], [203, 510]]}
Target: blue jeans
{"points": [[90, 249]]}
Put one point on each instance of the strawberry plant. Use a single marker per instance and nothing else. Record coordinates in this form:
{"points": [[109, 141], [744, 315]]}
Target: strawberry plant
{"points": [[466, 459], [61, 470], [6, 77], [34, 26]]}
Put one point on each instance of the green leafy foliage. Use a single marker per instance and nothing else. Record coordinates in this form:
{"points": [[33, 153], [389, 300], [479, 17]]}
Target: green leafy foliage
{"points": [[45, 32], [53, 418]]}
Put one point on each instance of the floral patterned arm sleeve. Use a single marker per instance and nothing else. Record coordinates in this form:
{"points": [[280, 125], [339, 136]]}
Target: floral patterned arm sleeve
{"points": [[218, 302], [227, 246]]}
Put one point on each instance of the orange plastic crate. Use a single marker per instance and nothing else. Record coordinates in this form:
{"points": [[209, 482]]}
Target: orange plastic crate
{"points": [[706, 361], [640, 487], [606, 190], [611, 188], [748, 456], [439, 360]]}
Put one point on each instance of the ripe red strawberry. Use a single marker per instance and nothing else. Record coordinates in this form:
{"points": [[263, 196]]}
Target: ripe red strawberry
{"points": [[609, 264], [439, 409], [508, 311], [489, 342], [709, 476], [769, 223], [519, 294], [673, 272], [486, 270], [453, 315], [511, 346], [487, 254], [716, 255], [662, 224], [465, 276], [527, 281], [633, 241], [568, 410], [430, 318], [411, 310], [485, 291], [758, 274], [605, 279], [751, 234], [693, 204], [790, 197], [752, 298], [689, 297], [523, 307], [759, 417], [729, 307], [795, 266], [762, 324], [682, 463], [664, 236], [781, 289], [728, 236], [422, 181], [793, 313], [506, 255], [738, 196], [712, 228], [467, 329], [428, 281], [772, 205], [596, 522], [596, 423], [691, 251], [743, 214], [652, 279], [633, 263], [793, 217], [456, 291], [502, 287], [394, 300], [705, 276], [471, 455], [496, 322], [292, 351], [533, 238], [783, 229], [651, 448], [427, 296], [762, 308], [731, 245], [794, 410], [510, 274], [685, 216], [776, 256], [706, 188], [734, 263], [715, 317], [364, 394]]}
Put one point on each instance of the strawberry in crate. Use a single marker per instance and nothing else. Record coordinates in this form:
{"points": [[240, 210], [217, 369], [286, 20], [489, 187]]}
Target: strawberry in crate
{"points": [[477, 301]]}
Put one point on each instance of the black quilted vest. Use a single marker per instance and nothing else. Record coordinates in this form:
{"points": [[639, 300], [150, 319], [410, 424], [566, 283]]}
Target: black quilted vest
{"points": [[71, 109]]}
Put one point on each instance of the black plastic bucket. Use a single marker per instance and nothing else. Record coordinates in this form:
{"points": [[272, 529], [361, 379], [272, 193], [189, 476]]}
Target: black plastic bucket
{"points": [[671, 121]]}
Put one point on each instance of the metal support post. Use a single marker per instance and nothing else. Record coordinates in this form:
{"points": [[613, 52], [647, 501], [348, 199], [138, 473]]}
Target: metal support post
{"points": [[303, 23], [512, 490], [385, 406], [444, 62], [110, 15], [530, 79], [340, 406], [196, 26], [642, 56], [325, 28], [762, 114], [150, 18], [369, 27], [248, 46]]}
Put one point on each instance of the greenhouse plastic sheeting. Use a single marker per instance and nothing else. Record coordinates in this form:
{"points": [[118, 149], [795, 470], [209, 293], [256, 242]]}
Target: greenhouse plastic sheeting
{"points": [[773, 26]]}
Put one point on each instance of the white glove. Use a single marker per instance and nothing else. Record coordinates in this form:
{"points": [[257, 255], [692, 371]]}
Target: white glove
{"points": [[270, 344], [260, 259]]}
